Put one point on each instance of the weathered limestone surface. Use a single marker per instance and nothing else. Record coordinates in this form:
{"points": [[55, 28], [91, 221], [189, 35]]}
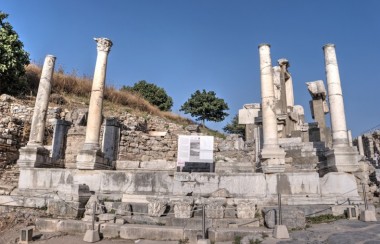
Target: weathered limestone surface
{"points": [[34, 154], [297, 188], [37, 130], [272, 157], [162, 233], [342, 157], [90, 157]]}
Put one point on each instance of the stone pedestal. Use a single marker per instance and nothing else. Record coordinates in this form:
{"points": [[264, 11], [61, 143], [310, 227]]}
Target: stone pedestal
{"points": [[342, 159], [272, 156], [280, 232], [368, 216], [273, 160], [92, 159], [34, 157]]}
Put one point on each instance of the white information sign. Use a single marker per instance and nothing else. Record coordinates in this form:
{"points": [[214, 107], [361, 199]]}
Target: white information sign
{"points": [[195, 149]]}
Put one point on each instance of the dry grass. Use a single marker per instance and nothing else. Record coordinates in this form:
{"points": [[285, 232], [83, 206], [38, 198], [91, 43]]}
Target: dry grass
{"points": [[79, 88]]}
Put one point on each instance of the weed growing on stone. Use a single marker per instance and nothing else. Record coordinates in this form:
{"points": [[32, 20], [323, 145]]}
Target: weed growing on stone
{"points": [[184, 241], [256, 241], [326, 218], [237, 240]]}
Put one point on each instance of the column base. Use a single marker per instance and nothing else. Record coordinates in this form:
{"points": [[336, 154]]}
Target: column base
{"points": [[92, 159], [272, 160], [343, 159], [34, 157]]}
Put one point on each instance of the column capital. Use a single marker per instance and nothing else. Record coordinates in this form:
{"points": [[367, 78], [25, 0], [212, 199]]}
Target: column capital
{"points": [[328, 45], [50, 60], [103, 44], [264, 44], [283, 61]]}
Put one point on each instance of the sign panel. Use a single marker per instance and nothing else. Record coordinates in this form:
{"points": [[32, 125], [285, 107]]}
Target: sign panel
{"points": [[195, 149]]}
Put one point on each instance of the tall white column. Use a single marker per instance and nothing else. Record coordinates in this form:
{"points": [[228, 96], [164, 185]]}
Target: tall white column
{"points": [[91, 157], [267, 98], [337, 114], [272, 156], [37, 130], [34, 154], [342, 157], [360, 146], [94, 121]]}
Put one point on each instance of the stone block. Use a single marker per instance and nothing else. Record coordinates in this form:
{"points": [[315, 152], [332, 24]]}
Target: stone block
{"points": [[26, 235], [183, 208], [158, 165], [226, 234], [292, 217], [280, 232], [59, 208], [368, 216], [343, 159], [47, 225], [150, 232], [91, 236], [338, 184], [246, 210], [156, 206], [109, 230], [303, 183], [34, 156], [203, 241], [73, 226], [92, 159], [107, 217], [127, 164]]}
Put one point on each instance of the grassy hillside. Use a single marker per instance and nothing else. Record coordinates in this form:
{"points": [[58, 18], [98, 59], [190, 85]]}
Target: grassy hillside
{"points": [[76, 91]]}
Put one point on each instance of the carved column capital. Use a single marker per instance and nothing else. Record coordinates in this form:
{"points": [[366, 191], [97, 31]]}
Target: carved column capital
{"points": [[103, 44]]}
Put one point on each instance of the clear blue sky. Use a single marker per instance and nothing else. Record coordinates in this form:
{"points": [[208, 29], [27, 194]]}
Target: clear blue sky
{"points": [[183, 45]]}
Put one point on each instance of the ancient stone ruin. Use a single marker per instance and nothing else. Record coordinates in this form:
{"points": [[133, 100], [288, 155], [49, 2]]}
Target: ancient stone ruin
{"points": [[125, 169]]}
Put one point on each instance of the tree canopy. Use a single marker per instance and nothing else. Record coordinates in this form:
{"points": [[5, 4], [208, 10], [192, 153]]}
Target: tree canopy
{"points": [[234, 127], [205, 106], [152, 93], [13, 59]]}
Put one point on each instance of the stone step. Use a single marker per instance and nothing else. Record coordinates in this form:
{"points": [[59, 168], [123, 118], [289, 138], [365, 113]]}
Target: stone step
{"points": [[228, 234]]}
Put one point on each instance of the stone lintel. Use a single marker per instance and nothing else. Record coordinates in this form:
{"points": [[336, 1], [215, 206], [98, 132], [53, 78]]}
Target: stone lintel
{"points": [[92, 159], [342, 159]]}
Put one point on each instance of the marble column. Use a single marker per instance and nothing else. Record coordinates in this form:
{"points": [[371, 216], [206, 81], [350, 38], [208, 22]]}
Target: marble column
{"points": [[34, 154], [342, 157], [337, 114], [94, 121], [272, 156], [37, 130], [349, 136], [90, 157], [360, 146]]}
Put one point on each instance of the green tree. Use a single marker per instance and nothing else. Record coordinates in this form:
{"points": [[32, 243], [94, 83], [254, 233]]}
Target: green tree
{"points": [[234, 127], [205, 106], [152, 93], [13, 59]]}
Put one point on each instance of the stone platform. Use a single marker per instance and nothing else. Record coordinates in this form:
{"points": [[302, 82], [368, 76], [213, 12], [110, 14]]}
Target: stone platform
{"points": [[136, 186]]}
